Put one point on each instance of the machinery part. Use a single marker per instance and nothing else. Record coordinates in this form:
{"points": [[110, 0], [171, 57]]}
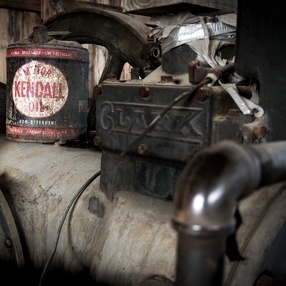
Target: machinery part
{"points": [[254, 62], [246, 106], [124, 241], [47, 90], [176, 60], [124, 111], [190, 92], [204, 208], [155, 128], [69, 208], [171, 6], [12, 253], [121, 242], [198, 73], [122, 35], [260, 238]]}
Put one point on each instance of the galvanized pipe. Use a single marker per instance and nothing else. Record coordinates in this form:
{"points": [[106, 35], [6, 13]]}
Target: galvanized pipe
{"points": [[206, 198]]}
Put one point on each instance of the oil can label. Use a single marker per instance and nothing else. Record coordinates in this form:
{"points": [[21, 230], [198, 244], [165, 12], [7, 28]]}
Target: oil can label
{"points": [[79, 55], [39, 89]]}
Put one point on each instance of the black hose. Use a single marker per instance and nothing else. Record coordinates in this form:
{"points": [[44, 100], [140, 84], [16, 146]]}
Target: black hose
{"points": [[71, 204]]}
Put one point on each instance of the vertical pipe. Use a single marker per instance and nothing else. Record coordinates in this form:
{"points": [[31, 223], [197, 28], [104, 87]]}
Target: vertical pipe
{"points": [[205, 202], [206, 198], [200, 260]]}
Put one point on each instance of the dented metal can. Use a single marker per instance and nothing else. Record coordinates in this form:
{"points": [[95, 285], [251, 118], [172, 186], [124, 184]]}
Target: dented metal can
{"points": [[46, 90]]}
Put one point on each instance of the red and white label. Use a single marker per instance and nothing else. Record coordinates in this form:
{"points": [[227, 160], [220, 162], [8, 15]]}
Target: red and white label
{"points": [[39, 89]]}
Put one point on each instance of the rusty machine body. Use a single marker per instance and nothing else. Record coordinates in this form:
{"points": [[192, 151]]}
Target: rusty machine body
{"points": [[180, 176]]}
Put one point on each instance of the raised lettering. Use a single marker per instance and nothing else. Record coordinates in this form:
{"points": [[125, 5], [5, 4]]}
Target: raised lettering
{"points": [[60, 94], [26, 71], [23, 87], [30, 89], [47, 91], [43, 71], [36, 69], [17, 91], [49, 72], [39, 89]]}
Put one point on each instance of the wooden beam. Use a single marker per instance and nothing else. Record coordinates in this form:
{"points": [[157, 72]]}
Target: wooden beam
{"points": [[23, 5], [52, 7]]}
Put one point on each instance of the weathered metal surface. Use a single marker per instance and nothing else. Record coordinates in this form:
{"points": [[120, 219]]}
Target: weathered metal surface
{"points": [[205, 217], [170, 6], [155, 178], [176, 60], [121, 242], [12, 253], [121, 34], [123, 114], [198, 73], [125, 110], [261, 21], [260, 238], [47, 90]]}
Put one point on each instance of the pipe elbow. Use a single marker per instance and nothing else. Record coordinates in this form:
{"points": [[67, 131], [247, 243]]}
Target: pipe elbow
{"points": [[210, 186]]}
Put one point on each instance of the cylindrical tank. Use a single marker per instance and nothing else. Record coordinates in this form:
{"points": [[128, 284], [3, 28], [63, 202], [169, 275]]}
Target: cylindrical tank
{"points": [[47, 89], [124, 240], [121, 241]]}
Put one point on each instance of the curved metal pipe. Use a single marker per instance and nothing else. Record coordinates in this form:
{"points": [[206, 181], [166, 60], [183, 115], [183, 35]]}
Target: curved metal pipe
{"points": [[121, 34], [206, 199]]}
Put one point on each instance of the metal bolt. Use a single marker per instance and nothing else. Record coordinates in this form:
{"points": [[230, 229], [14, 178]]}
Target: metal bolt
{"points": [[97, 90], [259, 132], [202, 94], [8, 243], [97, 141], [247, 134], [144, 91], [250, 133], [142, 149]]}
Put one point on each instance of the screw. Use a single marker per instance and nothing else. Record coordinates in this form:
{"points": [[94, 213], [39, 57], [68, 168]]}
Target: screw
{"points": [[97, 90], [202, 94], [144, 91], [259, 132], [142, 149], [97, 141], [8, 243]]}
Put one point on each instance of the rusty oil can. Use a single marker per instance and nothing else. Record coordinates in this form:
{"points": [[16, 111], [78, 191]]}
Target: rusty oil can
{"points": [[47, 89]]}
